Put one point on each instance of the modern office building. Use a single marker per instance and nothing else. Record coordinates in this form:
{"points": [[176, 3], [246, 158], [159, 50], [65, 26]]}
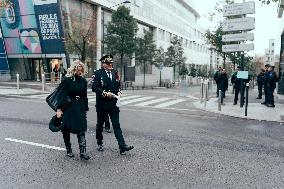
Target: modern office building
{"points": [[281, 54], [35, 32]]}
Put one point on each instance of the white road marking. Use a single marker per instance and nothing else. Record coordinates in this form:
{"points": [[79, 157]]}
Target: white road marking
{"points": [[152, 101], [137, 100], [35, 144], [129, 97], [163, 105]]}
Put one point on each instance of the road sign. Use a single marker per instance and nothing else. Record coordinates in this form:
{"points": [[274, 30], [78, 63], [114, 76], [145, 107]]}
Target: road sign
{"points": [[242, 74], [236, 24], [238, 37], [161, 66], [237, 47], [239, 9]]}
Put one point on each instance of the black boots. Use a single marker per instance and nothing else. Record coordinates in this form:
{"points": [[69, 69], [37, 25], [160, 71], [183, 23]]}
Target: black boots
{"points": [[82, 146], [83, 154], [69, 151], [125, 149]]}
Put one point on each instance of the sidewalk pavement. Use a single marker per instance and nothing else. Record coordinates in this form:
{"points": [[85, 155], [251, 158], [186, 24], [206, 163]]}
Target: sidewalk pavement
{"points": [[255, 110]]}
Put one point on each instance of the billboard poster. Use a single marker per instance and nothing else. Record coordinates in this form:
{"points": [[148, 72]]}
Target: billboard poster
{"points": [[49, 22], [32, 27], [3, 57]]}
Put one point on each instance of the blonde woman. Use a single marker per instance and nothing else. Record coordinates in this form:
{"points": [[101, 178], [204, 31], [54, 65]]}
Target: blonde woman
{"points": [[74, 112]]}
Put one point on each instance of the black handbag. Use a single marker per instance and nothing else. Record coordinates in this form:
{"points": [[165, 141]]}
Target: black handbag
{"points": [[55, 124], [58, 98]]}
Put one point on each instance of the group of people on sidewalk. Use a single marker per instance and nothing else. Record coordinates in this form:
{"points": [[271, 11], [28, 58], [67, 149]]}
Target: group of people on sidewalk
{"points": [[266, 80], [73, 115]]}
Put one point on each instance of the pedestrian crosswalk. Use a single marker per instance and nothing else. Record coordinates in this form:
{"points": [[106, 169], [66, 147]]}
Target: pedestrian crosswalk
{"points": [[129, 100]]}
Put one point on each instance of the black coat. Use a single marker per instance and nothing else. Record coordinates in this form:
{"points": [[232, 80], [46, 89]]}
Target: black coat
{"points": [[102, 83], [74, 113], [271, 80], [260, 79], [222, 82], [236, 81]]}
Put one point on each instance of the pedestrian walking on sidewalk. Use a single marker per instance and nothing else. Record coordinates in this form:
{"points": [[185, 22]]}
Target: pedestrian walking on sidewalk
{"points": [[265, 84], [236, 82], [106, 85], [259, 81], [216, 79], [222, 84], [74, 113]]}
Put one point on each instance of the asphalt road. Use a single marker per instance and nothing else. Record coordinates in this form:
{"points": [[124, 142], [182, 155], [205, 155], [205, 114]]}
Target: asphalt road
{"points": [[174, 148]]}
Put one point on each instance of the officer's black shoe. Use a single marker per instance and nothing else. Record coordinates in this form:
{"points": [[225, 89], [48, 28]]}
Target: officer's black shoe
{"points": [[235, 103], [259, 98], [125, 149], [264, 103], [271, 105], [70, 153], [100, 148]]}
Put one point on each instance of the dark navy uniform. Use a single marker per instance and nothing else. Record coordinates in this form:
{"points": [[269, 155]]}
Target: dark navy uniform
{"points": [[105, 106]]}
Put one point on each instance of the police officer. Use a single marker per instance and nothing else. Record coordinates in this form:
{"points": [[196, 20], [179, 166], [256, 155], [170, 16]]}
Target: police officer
{"points": [[265, 84], [106, 85], [237, 84], [259, 81], [271, 85]]}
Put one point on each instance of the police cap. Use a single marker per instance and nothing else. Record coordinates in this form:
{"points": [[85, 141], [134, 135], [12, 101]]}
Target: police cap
{"points": [[108, 59]]}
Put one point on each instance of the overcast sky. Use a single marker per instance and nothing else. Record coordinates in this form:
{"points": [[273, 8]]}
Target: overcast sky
{"points": [[267, 25]]}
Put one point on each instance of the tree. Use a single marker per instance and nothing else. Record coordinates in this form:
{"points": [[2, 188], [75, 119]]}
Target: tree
{"points": [[268, 1], [159, 58], [183, 70], [145, 51], [174, 55], [120, 39], [192, 70], [80, 36]]}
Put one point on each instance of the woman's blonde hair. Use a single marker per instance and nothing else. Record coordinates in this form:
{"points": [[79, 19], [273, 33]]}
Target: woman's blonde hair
{"points": [[73, 68]]}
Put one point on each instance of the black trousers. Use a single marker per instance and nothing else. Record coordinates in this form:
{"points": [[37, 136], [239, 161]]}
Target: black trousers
{"points": [[102, 114], [80, 136], [107, 123], [266, 94], [270, 97], [259, 90], [237, 91]]}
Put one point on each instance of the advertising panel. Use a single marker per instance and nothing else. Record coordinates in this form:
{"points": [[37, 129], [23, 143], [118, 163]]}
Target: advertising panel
{"points": [[32, 27], [49, 22]]}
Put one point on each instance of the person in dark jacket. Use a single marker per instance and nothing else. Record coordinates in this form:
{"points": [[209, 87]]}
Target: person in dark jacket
{"points": [[215, 78], [271, 85], [222, 83], [259, 81], [265, 84], [106, 85], [236, 82], [74, 113]]}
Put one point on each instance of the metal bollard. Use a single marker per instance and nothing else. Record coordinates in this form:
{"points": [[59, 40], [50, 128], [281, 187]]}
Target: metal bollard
{"points": [[201, 91], [219, 100], [43, 82], [60, 77], [18, 83], [205, 93]]}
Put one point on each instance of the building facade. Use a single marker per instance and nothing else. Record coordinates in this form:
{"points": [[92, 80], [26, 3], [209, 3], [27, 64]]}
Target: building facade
{"points": [[37, 40], [281, 53]]}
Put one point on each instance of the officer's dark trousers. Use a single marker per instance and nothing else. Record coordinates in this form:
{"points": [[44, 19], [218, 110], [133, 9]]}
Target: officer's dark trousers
{"points": [[237, 91], [259, 90], [114, 117], [107, 124], [270, 97]]}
